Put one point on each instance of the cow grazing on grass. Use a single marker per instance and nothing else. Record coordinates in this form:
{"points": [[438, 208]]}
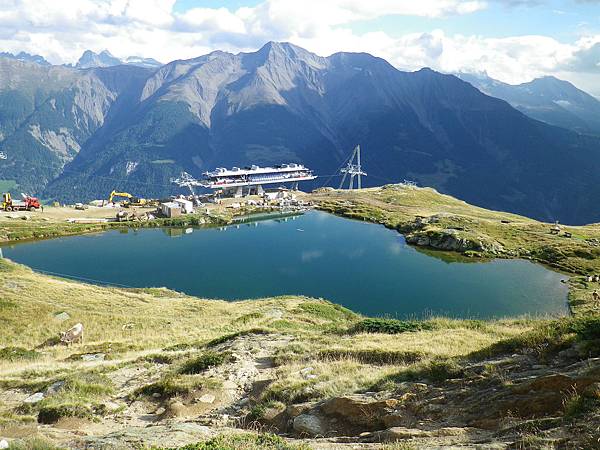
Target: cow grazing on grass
{"points": [[72, 335]]}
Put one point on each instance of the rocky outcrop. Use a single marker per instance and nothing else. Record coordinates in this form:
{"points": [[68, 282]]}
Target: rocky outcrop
{"points": [[362, 411], [454, 240], [402, 433], [310, 424]]}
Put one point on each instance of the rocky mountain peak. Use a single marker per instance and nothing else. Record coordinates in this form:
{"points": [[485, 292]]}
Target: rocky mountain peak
{"points": [[105, 58], [27, 57], [91, 59]]}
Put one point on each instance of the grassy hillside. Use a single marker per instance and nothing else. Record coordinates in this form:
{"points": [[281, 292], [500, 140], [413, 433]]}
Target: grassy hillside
{"points": [[163, 369], [157, 331]]}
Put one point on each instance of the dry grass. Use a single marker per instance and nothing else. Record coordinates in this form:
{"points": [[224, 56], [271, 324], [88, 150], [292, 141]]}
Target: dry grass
{"points": [[132, 327]]}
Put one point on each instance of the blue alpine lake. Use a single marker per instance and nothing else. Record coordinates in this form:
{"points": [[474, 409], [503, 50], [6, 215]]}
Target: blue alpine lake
{"points": [[362, 266]]}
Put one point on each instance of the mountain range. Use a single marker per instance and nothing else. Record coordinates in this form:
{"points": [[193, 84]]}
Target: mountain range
{"points": [[548, 99], [75, 134], [24, 56], [91, 59]]}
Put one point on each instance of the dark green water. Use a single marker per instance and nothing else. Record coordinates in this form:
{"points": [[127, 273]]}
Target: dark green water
{"points": [[362, 266]]}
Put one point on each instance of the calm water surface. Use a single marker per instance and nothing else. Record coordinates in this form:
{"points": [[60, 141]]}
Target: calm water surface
{"points": [[362, 266]]}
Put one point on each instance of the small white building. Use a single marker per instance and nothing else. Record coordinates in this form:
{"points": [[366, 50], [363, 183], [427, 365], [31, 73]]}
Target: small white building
{"points": [[187, 207], [170, 209]]}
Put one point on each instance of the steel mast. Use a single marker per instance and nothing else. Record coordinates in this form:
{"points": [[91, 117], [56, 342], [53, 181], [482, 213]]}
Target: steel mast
{"points": [[354, 169]]}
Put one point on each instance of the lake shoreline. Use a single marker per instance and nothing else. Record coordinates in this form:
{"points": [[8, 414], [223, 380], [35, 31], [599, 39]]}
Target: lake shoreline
{"points": [[340, 203], [317, 254]]}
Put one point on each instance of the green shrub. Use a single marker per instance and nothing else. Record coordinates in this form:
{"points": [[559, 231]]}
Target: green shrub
{"points": [[575, 404], [232, 336], [182, 346], [160, 358], [248, 318], [203, 362], [87, 385], [547, 338], [257, 412], [435, 370], [327, 311], [53, 413], [173, 385], [377, 357], [17, 354], [391, 326]]}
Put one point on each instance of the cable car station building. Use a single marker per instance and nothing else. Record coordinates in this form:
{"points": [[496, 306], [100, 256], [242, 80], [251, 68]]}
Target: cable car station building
{"points": [[237, 182]]}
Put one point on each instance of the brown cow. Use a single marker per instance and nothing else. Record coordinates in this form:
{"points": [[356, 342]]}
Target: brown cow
{"points": [[72, 335], [596, 296]]}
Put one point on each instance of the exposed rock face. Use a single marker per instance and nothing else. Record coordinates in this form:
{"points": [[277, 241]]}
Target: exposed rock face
{"points": [[453, 240], [309, 424], [402, 433], [91, 59], [548, 391], [360, 410]]}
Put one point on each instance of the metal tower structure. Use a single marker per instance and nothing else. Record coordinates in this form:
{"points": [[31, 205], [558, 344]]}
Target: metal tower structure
{"points": [[186, 180], [353, 168]]}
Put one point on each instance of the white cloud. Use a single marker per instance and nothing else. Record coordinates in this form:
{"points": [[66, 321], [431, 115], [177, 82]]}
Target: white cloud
{"points": [[152, 28], [62, 29]]}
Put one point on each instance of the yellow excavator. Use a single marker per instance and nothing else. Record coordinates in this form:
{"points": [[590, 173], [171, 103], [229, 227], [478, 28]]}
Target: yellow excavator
{"points": [[132, 200]]}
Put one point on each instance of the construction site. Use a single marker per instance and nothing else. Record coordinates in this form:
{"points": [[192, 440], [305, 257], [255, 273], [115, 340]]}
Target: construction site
{"points": [[216, 197], [250, 188]]}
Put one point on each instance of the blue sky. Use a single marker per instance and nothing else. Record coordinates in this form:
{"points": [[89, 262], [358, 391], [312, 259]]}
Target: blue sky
{"points": [[511, 40], [561, 19]]}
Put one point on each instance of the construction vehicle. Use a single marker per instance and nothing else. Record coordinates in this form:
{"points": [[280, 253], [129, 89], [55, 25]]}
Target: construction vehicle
{"points": [[132, 200], [27, 204]]}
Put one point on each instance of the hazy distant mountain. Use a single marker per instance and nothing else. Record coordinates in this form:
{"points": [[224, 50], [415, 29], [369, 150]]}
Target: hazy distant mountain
{"points": [[91, 59], [548, 99], [103, 59], [24, 56], [150, 63], [77, 134]]}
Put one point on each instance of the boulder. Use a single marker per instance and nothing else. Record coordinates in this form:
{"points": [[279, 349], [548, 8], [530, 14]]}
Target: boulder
{"points": [[364, 411], [35, 398], [207, 398], [537, 397], [309, 424], [93, 357], [175, 409], [299, 408], [54, 387], [62, 316], [453, 240]]}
